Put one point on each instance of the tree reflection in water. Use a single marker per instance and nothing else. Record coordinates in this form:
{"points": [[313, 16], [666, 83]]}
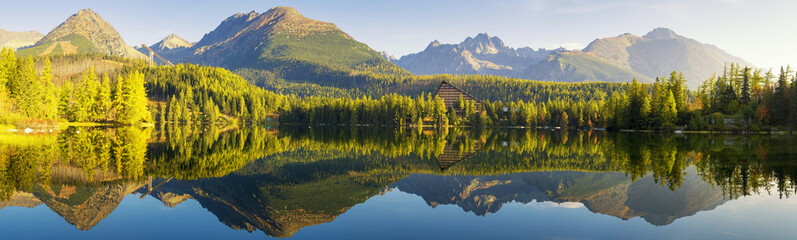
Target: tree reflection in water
{"points": [[279, 180]]}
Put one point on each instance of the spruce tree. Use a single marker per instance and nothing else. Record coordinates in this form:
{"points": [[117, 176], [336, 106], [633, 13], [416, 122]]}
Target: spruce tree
{"points": [[65, 108], [133, 104], [49, 93], [7, 68], [26, 89], [103, 102], [746, 86], [670, 111], [174, 110]]}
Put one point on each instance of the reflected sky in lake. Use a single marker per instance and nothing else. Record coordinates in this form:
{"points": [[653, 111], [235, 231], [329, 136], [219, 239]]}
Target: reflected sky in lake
{"points": [[340, 183]]}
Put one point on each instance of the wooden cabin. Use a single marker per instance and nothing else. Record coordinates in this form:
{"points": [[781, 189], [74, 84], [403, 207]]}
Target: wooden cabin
{"points": [[450, 95], [451, 156]]}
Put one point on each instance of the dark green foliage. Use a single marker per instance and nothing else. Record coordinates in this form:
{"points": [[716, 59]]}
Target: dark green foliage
{"points": [[750, 97], [194, 86]]}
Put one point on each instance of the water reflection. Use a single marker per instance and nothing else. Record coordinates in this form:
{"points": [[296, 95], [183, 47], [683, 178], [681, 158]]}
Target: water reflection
{"points": [[279, 180]]}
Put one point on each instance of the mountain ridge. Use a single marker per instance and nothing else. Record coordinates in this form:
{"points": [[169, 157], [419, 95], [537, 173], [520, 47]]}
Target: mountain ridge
{"points": [[281, 33], [83, 32], [612, 59], [482, 54], [662, 51], [16, 40]]}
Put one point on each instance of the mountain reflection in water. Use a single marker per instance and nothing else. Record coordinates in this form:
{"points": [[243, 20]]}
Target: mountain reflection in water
{"points": [[279, 180]]}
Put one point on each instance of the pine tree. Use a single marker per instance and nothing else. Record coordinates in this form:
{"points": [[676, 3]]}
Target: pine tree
{"points": [[103, 102], [49, 93], [85, 97], [440, 112], [185, 112], [746, 86], [133, 104], [26, 89], [793, 101], [670, 113], [7, 69], [243, 114], [564, 119], [211, 112], [779, 104], [162, 114], [174, 110], [65, 108]]}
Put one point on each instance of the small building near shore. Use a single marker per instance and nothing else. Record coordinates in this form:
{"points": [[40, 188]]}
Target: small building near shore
{"points": [[451, 94]]}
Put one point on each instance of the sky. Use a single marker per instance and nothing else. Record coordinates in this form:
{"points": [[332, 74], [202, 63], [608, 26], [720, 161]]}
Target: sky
{"points": [[757, 31]]}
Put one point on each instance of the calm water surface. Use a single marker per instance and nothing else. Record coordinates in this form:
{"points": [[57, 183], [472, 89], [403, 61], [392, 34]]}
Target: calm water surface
{"points": [[367, 183]]}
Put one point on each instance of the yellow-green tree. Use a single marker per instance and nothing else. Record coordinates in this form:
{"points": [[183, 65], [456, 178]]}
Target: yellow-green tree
{"points": [[132, 100], [49, 92]]}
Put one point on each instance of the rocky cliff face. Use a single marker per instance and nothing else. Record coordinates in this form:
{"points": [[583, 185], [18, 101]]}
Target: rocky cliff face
{"points": [[614, 59], [172, 42], [577, 66], [662, 51], [84, 207], [21, 199], [281, 33], [84, 32], [483, 54], [15, 40], [606, 193]]}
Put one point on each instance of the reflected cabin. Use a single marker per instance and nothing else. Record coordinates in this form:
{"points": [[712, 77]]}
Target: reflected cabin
{"points": [[451, 96]]}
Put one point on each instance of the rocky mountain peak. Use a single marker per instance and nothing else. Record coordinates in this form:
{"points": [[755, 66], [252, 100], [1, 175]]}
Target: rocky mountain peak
{"points": [[284, 11], [87, 25], [483, 44], [432, 44], [15, 40], [87, 14], [172, 42], [387, 56], [661, 34]]}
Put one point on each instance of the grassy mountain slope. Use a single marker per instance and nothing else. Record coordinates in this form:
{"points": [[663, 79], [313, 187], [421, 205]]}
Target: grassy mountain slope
{"points": [[577, 66], [84, 32], [16, 40], [662, 51]]}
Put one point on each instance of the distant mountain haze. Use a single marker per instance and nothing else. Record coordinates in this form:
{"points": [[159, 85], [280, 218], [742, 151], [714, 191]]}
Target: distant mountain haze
{"points": [[84, 32], [614, 59], [662, 51], [278, 35], [483, 54], [17, 40], [171, 42], [283, 41]]}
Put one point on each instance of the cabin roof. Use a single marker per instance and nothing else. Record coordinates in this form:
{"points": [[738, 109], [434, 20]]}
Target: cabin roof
{"points": [[455, 87]]}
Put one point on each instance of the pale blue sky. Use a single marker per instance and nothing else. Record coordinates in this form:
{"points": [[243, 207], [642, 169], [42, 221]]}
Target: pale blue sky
{"points": [[758, 31]]}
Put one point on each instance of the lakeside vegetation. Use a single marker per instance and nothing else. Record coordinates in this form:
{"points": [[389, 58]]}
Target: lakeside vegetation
{"points": [[91, 156], [740, 99], [29, 98]]}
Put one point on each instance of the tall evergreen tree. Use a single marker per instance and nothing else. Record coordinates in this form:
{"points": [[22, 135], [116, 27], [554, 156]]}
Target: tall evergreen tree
{"points": [[133, 104], [26, 89], [103, 103], [7, 69], [65, 108], [670, 112], [174, 110], [779, 105], [49, 92], [746, 86]]}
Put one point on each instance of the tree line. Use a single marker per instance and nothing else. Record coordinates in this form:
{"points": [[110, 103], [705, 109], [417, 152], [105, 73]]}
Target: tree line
{"points": [[29, 97]]}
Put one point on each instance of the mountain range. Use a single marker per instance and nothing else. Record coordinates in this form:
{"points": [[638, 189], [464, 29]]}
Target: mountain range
{"points": [[17, 40], [614, 59], [271, 40], [299, 49], [83, 32]]}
